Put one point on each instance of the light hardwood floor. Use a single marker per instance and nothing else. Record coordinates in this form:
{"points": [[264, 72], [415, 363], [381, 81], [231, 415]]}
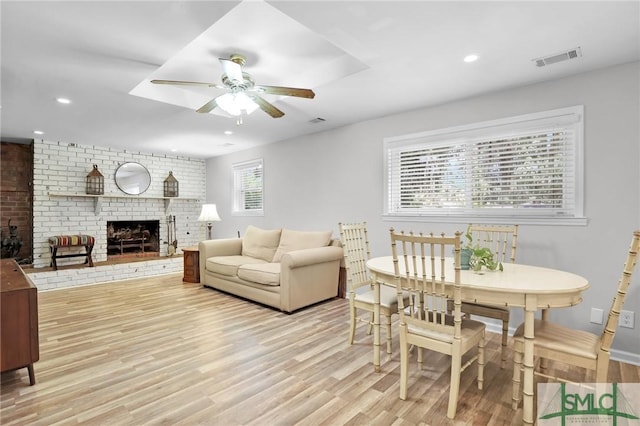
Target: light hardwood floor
{"points": [[159, 351]]}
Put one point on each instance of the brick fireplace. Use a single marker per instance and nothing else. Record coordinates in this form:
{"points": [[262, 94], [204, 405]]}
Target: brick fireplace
{"points": [[61, 206]]}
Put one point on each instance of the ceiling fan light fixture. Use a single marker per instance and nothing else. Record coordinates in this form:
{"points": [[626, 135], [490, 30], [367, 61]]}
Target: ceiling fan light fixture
{"points": [[236, 103]]}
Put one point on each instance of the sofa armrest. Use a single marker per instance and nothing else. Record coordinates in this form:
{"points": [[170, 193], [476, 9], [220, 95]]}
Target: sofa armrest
{"points": [[220, 247], [309, 276]]}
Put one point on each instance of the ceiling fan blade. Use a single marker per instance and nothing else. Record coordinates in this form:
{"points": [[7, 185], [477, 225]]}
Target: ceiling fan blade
{"points": [[187, 83], [232, 69], [267, 107], [286, 91], [208, 107]]}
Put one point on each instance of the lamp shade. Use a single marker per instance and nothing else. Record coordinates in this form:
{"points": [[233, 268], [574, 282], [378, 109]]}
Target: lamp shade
{"points": [[209, 213], [236, 103]]}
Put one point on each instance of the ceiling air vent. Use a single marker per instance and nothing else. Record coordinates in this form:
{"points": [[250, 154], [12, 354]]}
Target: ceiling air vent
{"points": [[317, 120], [558, 57]]}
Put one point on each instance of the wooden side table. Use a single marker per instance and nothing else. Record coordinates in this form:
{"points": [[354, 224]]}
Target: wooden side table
{"points": [[191, 265]]}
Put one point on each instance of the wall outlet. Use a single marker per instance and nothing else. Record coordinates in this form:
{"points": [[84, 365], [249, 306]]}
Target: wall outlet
{"points": [[596, 315], [627, 319]]}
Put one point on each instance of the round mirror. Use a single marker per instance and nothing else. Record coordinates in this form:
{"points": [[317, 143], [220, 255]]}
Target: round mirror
{"points": [[132, 178]]}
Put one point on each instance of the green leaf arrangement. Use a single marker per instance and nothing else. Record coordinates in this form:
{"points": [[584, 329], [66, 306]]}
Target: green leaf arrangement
{"points": [[481, 256]]}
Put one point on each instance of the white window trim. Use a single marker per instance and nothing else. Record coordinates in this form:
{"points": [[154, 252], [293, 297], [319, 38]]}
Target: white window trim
{"points": [[494, 128], [235, 192]]}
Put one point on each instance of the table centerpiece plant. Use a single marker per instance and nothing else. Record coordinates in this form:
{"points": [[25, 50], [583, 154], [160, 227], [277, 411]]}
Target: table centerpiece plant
{"points": [[477, 257]]}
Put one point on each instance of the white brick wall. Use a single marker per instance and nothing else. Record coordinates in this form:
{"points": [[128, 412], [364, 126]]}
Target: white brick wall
{"points": [[62, 168]]}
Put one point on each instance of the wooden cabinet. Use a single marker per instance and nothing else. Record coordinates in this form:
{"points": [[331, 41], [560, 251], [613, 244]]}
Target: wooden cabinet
{"points": [[19, 345], [191, 265]]}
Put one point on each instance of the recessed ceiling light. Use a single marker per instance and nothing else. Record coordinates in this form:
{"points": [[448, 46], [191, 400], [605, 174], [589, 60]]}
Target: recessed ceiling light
{"points": [[471, 58], [228, 132], [174, 149], [38, 132], [63, 100]]}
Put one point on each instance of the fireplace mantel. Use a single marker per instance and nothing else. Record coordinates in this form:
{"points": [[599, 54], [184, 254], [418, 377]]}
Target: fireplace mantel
{"points": [[98, 198]]}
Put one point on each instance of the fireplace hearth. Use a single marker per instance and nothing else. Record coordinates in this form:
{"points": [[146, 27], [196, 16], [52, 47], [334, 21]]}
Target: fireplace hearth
{"points": [[127, 239]]}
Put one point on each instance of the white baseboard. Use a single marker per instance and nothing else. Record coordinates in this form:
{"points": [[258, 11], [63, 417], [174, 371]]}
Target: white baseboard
{"points": [[626, 357]]}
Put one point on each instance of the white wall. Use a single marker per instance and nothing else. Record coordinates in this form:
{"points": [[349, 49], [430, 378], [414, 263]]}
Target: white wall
{"points": [[314, 182]]}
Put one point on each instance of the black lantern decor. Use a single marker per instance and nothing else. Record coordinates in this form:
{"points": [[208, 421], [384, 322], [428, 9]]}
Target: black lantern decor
{"points": [[170, 186], [95, 182]]}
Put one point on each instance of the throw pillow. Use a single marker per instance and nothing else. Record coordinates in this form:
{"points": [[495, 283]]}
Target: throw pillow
{"points": [[260, 243], [298, 240]]}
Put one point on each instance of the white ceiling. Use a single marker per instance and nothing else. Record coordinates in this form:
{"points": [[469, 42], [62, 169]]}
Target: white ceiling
{"points": [[363, 59]]}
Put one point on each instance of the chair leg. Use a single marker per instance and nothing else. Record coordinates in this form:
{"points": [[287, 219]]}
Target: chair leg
{"points": [[370, 324], [54, 253], [505, 337], [404, 363], [481, 361], [454, 387], [89, 259], [389, 335], [602, 367], [352, 323], [517, 377]]}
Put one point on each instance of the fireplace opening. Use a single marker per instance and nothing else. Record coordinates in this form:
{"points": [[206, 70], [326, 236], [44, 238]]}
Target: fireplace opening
{"points": [[128, 238]]}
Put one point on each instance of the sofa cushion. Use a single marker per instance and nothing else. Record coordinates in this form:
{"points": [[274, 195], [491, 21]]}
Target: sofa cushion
{"points": [[260, 243], [228, 265], [262, 273], [299, 240]]}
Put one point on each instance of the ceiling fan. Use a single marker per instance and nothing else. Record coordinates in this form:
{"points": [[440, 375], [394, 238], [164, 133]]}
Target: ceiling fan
{"points": [[243, 94]]}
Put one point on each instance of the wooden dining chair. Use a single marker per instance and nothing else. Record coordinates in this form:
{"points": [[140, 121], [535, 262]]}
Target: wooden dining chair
{"points": [[576, 347], [424, 321], [355, 244], [502, 240]]}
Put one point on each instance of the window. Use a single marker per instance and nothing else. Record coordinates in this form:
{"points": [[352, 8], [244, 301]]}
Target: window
{"points": [[247, 188], [526, 168]]}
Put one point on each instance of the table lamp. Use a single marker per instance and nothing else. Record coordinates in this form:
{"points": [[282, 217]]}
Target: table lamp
{"points": [[209, 214]]}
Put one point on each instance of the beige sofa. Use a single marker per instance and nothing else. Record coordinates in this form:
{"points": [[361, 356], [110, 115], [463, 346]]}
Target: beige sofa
{"points": [[282, 268]]}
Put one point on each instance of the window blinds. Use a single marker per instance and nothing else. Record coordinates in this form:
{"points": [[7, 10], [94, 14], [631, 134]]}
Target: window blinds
{"points": [[520, 167], [248, 186]]}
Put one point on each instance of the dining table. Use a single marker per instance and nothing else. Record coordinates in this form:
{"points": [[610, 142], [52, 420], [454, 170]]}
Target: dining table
{"points": [[529, 287]]}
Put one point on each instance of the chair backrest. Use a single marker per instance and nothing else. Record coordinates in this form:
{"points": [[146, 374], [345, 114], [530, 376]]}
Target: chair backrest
{"points": [[502, 240], [623, 285], [355, 244], [423, 270]]}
